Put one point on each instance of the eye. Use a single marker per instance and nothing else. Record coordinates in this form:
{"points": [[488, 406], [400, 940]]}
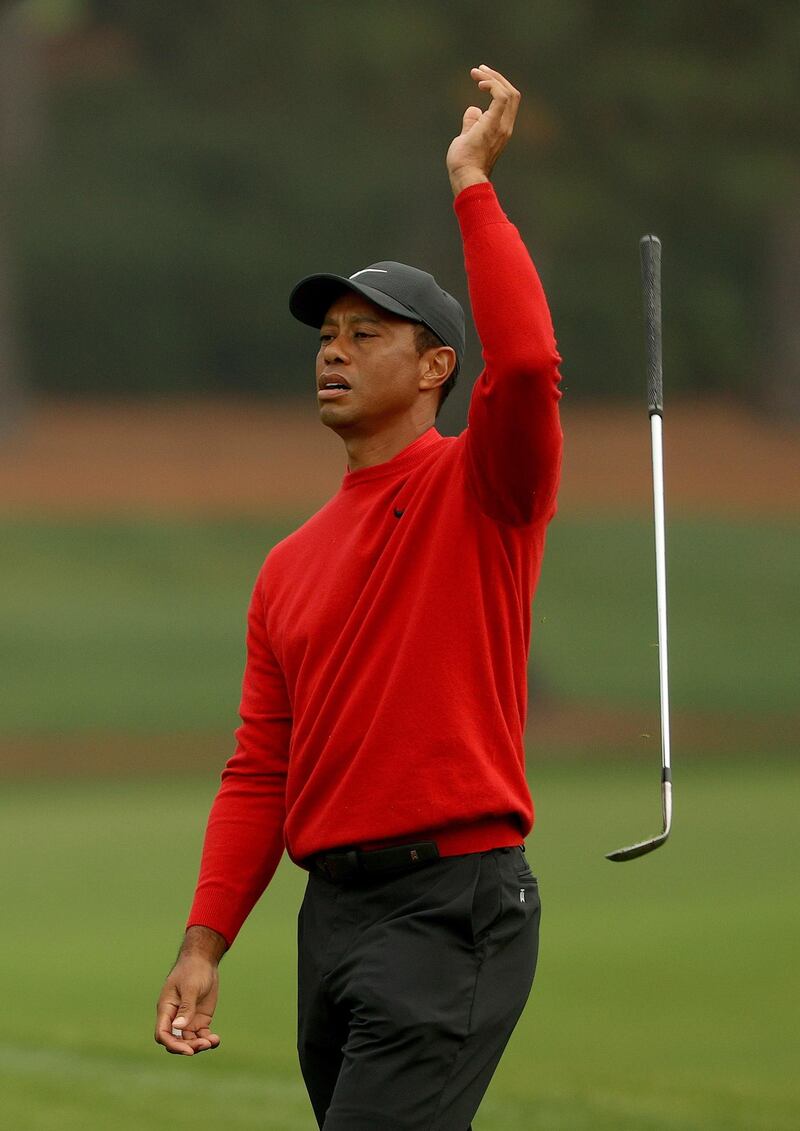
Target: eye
{"points": [[325, 338], [364, 334]]}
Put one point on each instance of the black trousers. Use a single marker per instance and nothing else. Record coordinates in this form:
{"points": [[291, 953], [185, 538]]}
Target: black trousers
{"points": [[409, 987]]}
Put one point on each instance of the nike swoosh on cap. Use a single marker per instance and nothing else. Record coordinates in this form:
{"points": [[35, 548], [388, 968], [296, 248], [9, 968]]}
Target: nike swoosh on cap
{"points": [[373, 270]]}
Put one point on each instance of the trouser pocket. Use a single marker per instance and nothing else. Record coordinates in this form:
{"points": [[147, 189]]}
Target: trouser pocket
{"points": [[487, 896], [520, 906], [521, 866]]}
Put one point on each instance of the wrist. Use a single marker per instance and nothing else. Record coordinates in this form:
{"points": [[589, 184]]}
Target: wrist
{"points": [[466, 176], [203, 942]]}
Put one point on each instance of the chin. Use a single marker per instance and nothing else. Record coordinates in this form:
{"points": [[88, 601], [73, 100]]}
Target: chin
{"points": [[336, 419]]}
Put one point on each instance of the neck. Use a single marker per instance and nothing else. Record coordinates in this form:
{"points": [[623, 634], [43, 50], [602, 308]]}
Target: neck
{"points": [[379, 447]]}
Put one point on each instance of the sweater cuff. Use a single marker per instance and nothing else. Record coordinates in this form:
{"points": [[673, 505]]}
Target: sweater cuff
{"points": [[213, 911], [477, 206]]}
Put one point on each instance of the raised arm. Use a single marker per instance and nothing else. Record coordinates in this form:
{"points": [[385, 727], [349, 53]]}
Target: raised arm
{"points": [[513, 442]]}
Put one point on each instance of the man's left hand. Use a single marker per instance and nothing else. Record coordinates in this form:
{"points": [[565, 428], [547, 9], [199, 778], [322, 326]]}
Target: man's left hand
{"points": [[484, 133]]}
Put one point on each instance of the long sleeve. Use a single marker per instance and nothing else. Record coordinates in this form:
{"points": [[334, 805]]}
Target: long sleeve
{"points": [[514, 438], [244, 838]]}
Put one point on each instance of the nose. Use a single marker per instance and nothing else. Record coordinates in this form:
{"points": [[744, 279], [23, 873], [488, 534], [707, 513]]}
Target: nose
{"points": [[334, 351]]}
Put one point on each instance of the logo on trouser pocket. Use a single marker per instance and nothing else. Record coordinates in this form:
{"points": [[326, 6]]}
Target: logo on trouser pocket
{"points": [[522, 895]]}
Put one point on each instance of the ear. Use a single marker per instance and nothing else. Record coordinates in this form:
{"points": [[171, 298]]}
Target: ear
{"points": [[436, 366]]}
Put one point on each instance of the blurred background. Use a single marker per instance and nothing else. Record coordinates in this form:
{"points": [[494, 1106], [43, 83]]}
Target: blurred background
{"points": [[168, 172]]}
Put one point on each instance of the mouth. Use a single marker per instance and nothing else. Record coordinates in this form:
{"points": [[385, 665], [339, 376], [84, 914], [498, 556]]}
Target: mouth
{"points": [[332, 386]]}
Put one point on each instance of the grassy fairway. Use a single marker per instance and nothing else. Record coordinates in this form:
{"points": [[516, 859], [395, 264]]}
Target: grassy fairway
{"points": [[663, 1000], [733, 612], [129, 625], [664, 996], [140, 626]]}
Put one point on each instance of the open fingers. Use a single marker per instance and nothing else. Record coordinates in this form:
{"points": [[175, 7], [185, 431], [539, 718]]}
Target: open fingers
{"points": [[486, 72], [505, 97]]}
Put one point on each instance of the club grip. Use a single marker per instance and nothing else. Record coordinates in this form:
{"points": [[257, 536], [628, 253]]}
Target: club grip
{"points": [[650, 252]]}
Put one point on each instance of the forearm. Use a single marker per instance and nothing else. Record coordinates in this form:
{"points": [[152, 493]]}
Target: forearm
{"points": [[244, 836], [514, 435], [242, 847], [508, 302], [203, 942], [465, 178]]}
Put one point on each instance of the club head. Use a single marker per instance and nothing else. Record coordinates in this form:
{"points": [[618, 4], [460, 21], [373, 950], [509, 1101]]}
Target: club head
{"points": [[645, 846], [640, 849]]}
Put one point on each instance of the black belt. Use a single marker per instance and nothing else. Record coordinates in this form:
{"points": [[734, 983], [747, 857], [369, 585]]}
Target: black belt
{"points": [[358, 863]]}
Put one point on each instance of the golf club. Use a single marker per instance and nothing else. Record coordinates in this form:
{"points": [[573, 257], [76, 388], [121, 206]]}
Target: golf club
{"points": [[650, 250]]}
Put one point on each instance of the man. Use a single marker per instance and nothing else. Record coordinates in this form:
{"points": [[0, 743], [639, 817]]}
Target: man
{"points": [[384, 697]]}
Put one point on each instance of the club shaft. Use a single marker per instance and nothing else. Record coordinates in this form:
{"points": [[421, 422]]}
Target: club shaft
{"points": [[650, 252], [661, 585]]}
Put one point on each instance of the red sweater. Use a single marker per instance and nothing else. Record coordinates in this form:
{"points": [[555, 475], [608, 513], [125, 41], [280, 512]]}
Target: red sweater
{"points": [[384, 696]]}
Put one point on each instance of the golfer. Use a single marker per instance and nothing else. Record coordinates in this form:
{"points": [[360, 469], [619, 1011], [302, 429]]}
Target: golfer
{"points": [[384, 697]]}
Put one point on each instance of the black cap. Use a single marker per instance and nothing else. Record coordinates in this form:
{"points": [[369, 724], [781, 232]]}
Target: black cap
{"points": [[396, 287]]}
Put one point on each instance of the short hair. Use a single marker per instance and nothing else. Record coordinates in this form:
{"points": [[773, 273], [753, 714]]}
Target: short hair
{"points": [[425, 339]]}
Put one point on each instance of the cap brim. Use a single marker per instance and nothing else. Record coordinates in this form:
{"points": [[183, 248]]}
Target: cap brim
{"points": [[313, 297]]}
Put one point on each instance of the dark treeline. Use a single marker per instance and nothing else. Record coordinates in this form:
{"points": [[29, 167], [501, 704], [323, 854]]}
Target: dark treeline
{"points": [[199, 157]]}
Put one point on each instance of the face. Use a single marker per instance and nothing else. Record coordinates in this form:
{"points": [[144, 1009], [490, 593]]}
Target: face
{"points": [[369, 373]]}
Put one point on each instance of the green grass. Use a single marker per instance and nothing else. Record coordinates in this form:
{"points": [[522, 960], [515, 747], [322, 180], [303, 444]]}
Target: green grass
{"points": [[126, 625], [664, 996], [139, 626], [664, 999], [733, 613]]}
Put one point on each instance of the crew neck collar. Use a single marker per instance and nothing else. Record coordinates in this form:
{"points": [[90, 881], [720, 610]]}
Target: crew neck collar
{"points": [[403, 461]]}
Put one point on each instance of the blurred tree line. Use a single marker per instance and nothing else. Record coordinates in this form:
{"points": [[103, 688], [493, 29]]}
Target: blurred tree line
{"points": [[201, 156]]}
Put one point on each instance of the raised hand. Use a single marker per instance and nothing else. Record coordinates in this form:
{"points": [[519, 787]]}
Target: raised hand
{"points": [[484, 133]]}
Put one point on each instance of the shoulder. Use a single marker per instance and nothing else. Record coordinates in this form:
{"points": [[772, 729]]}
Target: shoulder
{"points": [[303, 540]]}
